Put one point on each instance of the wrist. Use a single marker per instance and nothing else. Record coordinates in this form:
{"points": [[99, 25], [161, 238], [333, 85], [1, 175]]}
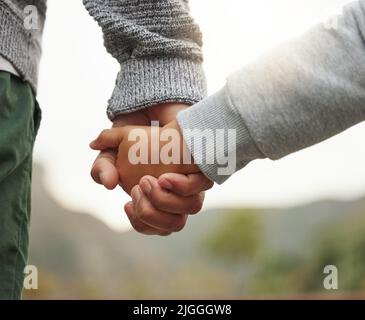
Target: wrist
{"points": [[165, 112], [134, 118], [143, 83]]}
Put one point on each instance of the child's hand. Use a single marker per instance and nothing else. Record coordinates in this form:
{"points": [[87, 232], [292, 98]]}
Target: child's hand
{"points": [[145, 151]]}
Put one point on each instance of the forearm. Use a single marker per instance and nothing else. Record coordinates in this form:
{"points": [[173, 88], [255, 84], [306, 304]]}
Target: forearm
{"points": [[158, 46], [298, 95]]}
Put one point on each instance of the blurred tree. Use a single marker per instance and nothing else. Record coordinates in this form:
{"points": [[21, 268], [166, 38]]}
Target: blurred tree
{"points": [[278, 274], [238, 237], [343, 245], [340, 244]]}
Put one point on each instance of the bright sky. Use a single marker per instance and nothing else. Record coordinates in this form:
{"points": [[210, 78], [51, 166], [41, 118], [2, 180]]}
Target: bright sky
{"points": [[77, 77]]}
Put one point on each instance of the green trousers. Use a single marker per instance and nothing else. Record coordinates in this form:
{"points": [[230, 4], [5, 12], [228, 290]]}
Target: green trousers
{"points": [[19, 122]]}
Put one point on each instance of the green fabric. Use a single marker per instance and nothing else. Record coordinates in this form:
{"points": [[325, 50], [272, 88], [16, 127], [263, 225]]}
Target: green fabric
{"points": [[19, 122]]}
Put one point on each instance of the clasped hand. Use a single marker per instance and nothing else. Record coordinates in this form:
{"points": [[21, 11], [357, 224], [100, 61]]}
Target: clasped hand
{"points": [[163, 193]]}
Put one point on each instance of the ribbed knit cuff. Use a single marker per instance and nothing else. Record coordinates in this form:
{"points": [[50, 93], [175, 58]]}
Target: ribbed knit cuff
{"points": [[210, 118], [19, 46], [145, 82]]}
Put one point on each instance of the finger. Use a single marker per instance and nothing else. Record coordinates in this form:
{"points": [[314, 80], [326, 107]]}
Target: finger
{"points": [[108, 139], [164, 200], [103, 170], [185, 185], [138, 225], [157, 219]]}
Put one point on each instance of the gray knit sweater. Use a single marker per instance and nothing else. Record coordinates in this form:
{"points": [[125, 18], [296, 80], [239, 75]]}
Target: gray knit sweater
{"points": [[156, 42], [303, 92]]}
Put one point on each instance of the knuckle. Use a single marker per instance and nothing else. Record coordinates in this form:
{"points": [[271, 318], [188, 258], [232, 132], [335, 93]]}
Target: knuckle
{"points": [[210, 185], [141, 228], [144, 213], [138, 227], [104, 133], [157, 199], [179, 227], [164, 234], [197, 204], [178, 224], [184, 192], [108, 155]]}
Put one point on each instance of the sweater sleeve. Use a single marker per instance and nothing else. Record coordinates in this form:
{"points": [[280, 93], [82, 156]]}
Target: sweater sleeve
{"points": [[301, 93], [158, 46]]}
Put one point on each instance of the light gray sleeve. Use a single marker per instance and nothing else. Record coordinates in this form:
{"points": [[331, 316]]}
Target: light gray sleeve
{"points": [[301, 93], [158, 46]]}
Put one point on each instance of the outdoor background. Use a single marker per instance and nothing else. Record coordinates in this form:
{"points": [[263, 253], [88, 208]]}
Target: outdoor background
{"points": [[267, 232]]}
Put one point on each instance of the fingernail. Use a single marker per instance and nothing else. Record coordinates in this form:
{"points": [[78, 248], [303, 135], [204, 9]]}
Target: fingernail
{"points": [[92, 143], [136, 194], [146, 186], [164, 183]]}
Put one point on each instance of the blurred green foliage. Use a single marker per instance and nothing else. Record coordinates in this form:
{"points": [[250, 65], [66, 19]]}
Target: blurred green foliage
{"points": [[341, 244], [238, 237]]}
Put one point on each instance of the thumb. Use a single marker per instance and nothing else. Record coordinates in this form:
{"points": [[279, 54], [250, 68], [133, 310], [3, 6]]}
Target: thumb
{"points": [[108, 139]]}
